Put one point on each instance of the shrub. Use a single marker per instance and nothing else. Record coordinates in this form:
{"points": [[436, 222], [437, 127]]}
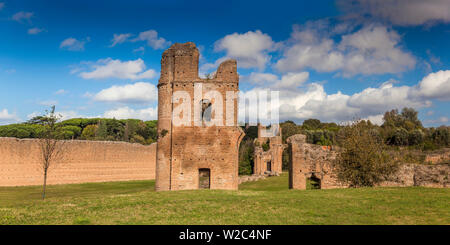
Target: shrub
{"points": [[89, 132], [415, 137], [74, 129], [441, 136], [399, 137], [137, 139], [363, 160]]}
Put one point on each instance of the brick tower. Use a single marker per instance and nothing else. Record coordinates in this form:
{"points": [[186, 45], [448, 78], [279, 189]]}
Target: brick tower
{"points": [[195, 155]]}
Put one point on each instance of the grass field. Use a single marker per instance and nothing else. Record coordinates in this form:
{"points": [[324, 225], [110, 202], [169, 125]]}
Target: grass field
{"points": [[263, 202]]}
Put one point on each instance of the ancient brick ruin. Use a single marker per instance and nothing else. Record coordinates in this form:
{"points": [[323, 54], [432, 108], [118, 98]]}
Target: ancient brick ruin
{"points": [[268, 161], [316, 163], [193, 156]]}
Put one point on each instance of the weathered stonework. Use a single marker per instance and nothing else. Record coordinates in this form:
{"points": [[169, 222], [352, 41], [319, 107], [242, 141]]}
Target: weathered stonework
{"points": [[311, 161], [428, 175], [270, 161], [186, 153], [83, 161], [315, 161], [439, 157]]}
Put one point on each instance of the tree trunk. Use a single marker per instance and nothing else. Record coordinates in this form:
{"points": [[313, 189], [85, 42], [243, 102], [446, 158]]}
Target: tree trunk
{"points": [[45, 185]]}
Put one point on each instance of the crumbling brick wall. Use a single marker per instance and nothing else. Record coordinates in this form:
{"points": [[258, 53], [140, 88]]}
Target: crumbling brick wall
{"points": [[270, 161], [83, 161], [442, 156], [311, 161], [428, 175], [308, 160], [185, 150]]}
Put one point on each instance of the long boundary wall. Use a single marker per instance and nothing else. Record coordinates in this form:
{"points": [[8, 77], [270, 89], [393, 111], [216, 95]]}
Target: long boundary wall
{"points": [[84, 161]]}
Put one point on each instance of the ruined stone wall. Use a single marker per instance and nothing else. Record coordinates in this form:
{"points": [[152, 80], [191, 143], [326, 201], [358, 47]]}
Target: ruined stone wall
{"points": [[428, 175], [442, 156], [311, 161], [273, 156], [308, 160], [84, 161], [185, 149]]}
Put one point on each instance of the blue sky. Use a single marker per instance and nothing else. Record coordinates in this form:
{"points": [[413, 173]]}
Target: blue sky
{"points": [[332, 60]]}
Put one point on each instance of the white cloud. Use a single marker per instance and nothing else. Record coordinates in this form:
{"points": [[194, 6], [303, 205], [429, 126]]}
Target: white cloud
{"points": [[311, 100], [139, 50], [126, 113], [120, 38], [61, 91], [376, 119], [399, 12], [6, 117], [249, 49], [21, 16], [289, 81], [109, 68], [64, 115], [435, 86], [35, 31], [371, 50], [73, 44], [438, 121], [131, 93], [261, 78], [152, 39]]}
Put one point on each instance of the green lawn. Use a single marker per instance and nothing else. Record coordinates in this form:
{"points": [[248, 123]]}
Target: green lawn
{"points": [[263, 202]]}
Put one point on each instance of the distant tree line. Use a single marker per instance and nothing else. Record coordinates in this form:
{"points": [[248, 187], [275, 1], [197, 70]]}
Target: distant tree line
{"points": [[398, 129], [129, 130]]}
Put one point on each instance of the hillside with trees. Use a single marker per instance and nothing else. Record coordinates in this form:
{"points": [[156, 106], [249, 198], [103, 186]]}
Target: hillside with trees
{"points": [[129, 130]]}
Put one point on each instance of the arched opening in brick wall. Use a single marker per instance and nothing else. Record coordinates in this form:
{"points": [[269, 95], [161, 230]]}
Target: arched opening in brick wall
{"points": [[204, 178], [313, 182]]}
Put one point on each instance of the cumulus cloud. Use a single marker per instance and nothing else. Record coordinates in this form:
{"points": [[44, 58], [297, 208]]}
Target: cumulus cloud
{"points": [[289, 81], [312, 101], [372, 49], [119, 38], [72, 44], [110, 68], [6, 117], [131, 93], [22, 16], [399, 12], [249, 49], [35, 31], [152, 39], [435, 86], [125, 113]]}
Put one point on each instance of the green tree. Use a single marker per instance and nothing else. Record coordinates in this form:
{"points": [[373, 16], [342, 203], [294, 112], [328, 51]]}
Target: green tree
{"points": [[311, 124], [363, 160], [89, 132]]}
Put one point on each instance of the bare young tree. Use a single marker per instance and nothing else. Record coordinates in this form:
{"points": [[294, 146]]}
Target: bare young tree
{"points": [[51, 148]]}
